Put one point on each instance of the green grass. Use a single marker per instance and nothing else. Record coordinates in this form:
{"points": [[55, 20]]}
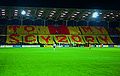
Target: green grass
{"points": [[61, 62]]}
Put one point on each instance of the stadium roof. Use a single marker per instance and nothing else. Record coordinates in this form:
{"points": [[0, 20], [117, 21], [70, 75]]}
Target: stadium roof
{"points": [[81, 4], [58, 13]]}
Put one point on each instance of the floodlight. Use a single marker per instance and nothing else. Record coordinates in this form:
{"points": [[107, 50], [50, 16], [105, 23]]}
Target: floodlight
{"points": [[23, 12], [95, 15], [54, 11], [50, 15], [66, 11], [108, 15], [113, 17], [111, 13], [77, 12], [72, 16], [61, 16], [83, 16], [39, 15], [3, 14], [15, 14], [41, 11], [3, 10], [16, 10], [105, 17], [117, 15]]}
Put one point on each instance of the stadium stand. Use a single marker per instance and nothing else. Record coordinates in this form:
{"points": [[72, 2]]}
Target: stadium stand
{"points": [[14, 34], [58, 29]]}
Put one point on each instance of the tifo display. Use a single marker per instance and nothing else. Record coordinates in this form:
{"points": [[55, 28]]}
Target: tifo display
{"points": [[50, 34]]}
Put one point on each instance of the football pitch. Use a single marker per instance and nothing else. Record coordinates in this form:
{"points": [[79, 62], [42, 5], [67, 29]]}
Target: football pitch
{"points": [[60, 62]]}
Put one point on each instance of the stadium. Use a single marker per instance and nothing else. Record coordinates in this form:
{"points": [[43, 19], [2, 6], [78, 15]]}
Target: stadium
{"points": [[87, 42]]}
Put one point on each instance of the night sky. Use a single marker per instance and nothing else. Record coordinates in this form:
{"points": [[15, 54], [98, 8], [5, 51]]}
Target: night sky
{"points": [[82, 4]]}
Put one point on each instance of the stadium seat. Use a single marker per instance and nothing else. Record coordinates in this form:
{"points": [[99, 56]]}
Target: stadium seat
{"points": [[27, 22], [116, 40], [14, 22], [81, 23], [71, 23], [39, 22], [49, 22], [114, 24], [60, 22], [103, 23], [93, 23], [3, 21]]}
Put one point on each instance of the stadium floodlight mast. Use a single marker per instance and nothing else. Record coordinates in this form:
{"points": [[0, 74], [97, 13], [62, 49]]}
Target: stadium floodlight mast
{"points": [[23, 12], [95, 14]]}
